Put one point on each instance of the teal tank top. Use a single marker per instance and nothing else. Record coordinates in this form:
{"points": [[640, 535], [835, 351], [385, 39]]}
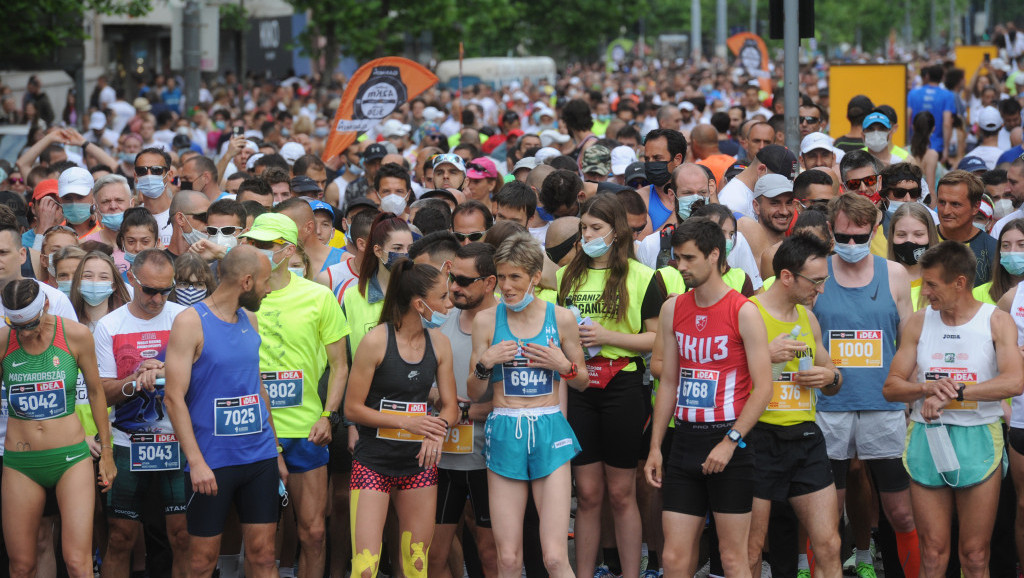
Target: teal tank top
{"points": [[519, 379]]}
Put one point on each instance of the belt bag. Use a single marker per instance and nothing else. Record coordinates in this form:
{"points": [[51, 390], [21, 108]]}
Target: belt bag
{"points": [[601, 370]]}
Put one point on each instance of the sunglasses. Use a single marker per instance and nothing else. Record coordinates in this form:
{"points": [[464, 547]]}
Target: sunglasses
{"points": [[165, 291], [463, 281], [25, 327], [914, 193], [638, 230], [809, 120], [472, 237], [854, 184], [17, 180], [637, 183], [843, 238], [229, 230], [477, 168], [154, 170]]}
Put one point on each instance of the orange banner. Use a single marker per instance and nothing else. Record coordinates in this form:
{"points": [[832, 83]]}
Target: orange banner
{"points": [[376, 90], [752, 53]]}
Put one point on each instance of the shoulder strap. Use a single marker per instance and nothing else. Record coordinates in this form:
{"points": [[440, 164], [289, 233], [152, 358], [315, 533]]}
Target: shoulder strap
{"points": [[59, 340]]}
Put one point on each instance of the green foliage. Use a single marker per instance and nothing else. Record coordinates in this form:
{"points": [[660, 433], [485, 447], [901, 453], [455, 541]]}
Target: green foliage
{"points": [[234, 17], [35, 29]]}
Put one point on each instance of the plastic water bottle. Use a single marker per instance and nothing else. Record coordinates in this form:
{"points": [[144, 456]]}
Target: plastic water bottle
{"points": [[778, 367], [806, 363]]}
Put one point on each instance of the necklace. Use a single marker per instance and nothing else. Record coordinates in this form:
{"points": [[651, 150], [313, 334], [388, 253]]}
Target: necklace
{"points": [[224, 317]]}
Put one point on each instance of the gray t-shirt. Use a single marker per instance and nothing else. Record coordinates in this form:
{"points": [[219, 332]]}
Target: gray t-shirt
{"points": [[462, 348]]}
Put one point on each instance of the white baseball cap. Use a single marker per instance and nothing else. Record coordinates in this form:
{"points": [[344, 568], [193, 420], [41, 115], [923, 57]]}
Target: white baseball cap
{"points": [[432, 114], [989, 119], [394, 127], [74, 181], [551, 136], [622, 157], [546, 153], [814, 141], [291, 151], [97, 121]]}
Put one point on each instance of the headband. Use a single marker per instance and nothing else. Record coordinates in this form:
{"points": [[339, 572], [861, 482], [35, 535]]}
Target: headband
{"points": [[30, 311]]}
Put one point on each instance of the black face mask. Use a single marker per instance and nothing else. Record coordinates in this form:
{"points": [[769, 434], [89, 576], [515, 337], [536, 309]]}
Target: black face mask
{"points": [[657, 173], [562, 249], [909, 253], [185, 185]]}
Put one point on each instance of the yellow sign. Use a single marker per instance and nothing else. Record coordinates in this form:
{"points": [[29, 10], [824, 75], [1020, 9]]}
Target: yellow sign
{"points": [[882, 83], [788, 396], [459, 439], [400, 408], [850, 349], [970, 57]]}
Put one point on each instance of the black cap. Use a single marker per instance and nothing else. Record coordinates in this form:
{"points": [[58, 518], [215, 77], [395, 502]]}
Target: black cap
{"points": [[779, 160], [859, 107], [633, 172], [181, 141], [731, 172], [359, 202], [375, 152], [439, 194], [303, 184], [16, 203]]}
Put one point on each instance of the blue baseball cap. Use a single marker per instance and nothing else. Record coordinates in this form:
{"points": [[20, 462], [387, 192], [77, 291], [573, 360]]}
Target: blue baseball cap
{"points": [[972, 164], [876, 117], [320, 206]]}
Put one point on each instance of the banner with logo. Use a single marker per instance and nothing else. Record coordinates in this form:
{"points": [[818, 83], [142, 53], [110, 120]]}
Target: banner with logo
{"points": [[752, 54], [376, 90]]}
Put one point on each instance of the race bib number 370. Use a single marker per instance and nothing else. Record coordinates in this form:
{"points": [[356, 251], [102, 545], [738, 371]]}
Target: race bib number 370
{"points": [[237, 416], [38, 400], [851, 349]]}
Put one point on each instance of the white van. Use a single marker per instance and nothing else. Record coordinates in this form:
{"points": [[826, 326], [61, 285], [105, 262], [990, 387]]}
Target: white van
{"points": [[497, 72]]}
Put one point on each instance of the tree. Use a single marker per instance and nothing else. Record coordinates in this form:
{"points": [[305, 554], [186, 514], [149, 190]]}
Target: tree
{"points": [[34, 30]]}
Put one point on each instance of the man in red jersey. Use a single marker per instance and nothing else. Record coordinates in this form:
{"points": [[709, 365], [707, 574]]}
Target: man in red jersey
{"points": [[721, 383]]}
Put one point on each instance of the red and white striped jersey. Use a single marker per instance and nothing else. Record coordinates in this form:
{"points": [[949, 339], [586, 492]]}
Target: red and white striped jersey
{"points": [[714, 381]]}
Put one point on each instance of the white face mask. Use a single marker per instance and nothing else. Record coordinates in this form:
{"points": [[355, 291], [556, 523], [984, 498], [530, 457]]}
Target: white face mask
{"points": [[876, 141]]}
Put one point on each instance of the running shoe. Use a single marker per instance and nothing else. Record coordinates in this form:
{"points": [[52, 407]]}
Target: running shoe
{"points": [[803, 573], [850, 565], [602, 571], [650, 574], [865, 570]]}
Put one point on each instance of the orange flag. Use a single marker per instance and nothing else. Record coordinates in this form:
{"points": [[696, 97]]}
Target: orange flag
{"points": [[752, 53], [376, 90]]}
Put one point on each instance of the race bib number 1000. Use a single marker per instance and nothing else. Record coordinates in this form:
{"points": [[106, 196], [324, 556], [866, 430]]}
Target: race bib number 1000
{"points": [[411, 409], [851, 349], [237, 416], [38, 400]]}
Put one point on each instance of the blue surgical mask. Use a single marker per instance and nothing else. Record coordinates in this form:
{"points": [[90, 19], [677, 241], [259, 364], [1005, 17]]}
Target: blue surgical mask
{"points": [[220, 124], [853, 253], [301, 272], [320, 132], [189, 295], [95, 292], [686, 205], [112, 221], [130, 257], [192, 237], [893, 205], [1012, 262], [151, 186], [127, 157], [356, 170], [544, 215], [270, 255], [526, 300], [729, 244], [65, 287], [77, 213], [349, 242], [436, 320], [392, 257], [595, 248]]}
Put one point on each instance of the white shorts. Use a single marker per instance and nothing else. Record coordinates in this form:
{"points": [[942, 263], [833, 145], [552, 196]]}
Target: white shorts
{"points": [[867, 435]]}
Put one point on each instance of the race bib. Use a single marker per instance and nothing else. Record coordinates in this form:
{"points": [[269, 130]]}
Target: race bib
{"points": [[38, 401], [788, 396], [154, 452], [400, 408], [459, 439], [237, 416], [964, 377], [520, 380], [284, 388], [852, 349], [698, 388], [81, 392]]}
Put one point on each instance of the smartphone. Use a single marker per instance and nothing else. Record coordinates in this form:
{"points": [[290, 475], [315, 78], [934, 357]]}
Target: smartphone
{"points": [[237, 131], [986, 58]]}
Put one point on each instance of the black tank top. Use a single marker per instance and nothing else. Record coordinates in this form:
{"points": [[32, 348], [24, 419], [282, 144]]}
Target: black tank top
{"points": [[399, 387]]}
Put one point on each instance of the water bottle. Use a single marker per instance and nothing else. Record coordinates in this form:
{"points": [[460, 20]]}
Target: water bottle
{"points": [[777, 368]]}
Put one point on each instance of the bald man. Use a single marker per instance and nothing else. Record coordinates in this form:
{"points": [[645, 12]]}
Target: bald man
{"points": [[534, 180], [704, 144], [320, 255], [188, 221]]}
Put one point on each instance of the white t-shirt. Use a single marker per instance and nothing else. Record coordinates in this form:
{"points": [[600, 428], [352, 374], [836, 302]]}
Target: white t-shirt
{"points": [[742, 257], [123, 112], [541, 234], [123, 342], [107, 96], [647, 249], [998, 227], [989, 154], [164, 226], [738, 197], [60, 306], [341, 276]]}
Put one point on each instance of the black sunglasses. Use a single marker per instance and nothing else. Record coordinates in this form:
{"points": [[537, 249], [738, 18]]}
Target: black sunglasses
{"points": [[463, 281], [914, 193], [154, 170], [843, 238], [473, 237], [27, 326], [809, 120], [165, 291]]}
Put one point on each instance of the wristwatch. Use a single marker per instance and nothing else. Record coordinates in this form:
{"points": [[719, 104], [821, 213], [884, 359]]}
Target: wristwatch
{"points": [[835, 379], [736, 437], [333, 417], [960, 392], [482, 372]]}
